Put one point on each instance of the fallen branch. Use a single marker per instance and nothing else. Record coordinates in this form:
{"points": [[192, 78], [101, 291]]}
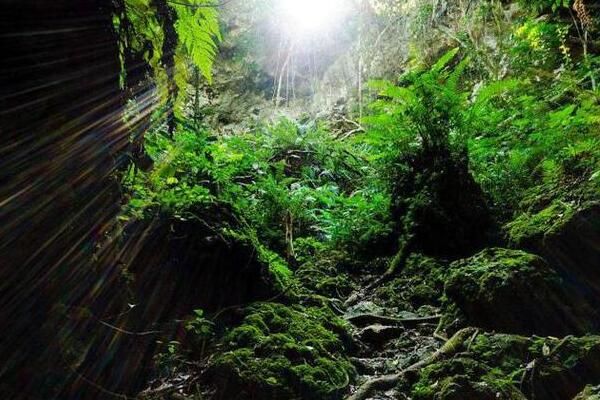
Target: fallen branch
{"points": [[387, 382]]}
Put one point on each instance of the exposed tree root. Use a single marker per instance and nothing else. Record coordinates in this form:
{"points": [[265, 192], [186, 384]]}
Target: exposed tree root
{"points": [[389, 381], [369, 319]]}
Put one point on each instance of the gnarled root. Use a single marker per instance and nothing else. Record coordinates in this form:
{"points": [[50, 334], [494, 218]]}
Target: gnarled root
{"points": [[389, 381]]}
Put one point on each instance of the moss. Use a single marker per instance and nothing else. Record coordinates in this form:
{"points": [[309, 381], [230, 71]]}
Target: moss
{"points": [[589, 393], [284, 352], [505, 366], [504, 351], [539, 224], [326, 275], [552, 368], [463, 378], [515, 292], [566, 367], [421, 282]]}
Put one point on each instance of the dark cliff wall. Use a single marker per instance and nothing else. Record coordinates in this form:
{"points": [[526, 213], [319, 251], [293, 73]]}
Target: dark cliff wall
{"points": [[60, 140]]}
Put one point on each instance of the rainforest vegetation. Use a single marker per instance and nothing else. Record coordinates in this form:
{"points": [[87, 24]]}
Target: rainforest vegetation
{"points": [[285, 199]]}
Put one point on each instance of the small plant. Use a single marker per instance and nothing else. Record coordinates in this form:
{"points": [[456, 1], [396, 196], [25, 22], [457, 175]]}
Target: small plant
{"points": [[200, 325]]}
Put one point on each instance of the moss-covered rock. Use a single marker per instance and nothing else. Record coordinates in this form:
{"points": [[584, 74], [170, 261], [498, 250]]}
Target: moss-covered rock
{"points": [[567, 366], [463, 378], [589, 393], [567, 237], [421, 282], [505, 366], [516, 292], [326, 274], [281, 352]]}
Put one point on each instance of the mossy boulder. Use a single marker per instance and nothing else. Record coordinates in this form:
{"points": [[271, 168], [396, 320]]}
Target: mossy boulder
{"points": [[326, 274], [516, 292], [505, 366], [464, 378], [567, 367], [281, 352], [566, 236], [589, 393]]}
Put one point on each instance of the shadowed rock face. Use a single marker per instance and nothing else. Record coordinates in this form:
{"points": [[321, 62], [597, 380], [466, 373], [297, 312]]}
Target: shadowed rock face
{"points": [[438, 202], [573, 248], [572, 363], [184, 266], [178, 267], [516, 292], [60, 140]]}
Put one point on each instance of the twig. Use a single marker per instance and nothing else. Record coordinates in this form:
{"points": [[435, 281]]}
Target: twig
{"points": [[126, 332]]}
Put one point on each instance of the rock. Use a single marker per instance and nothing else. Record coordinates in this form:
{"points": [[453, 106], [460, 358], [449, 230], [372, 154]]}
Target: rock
{"points": [[378, 334], [281, 352], [362, 308], [567, 239], [516, 292], [546, 368], [589, 393], [463, 378], [569, 366], [420, 282]]}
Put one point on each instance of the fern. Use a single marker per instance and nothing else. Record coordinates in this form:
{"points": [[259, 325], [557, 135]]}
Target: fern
{"points": [[198, 31]]}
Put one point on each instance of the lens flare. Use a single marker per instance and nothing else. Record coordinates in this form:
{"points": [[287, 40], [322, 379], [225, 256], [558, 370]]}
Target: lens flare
{"points": [[305, 17]]}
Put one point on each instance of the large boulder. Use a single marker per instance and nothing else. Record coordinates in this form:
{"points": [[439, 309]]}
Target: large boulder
{"points": [[546, 368], [516, 292], [589, 393], [567, 238], [281, 352], [568, 366]]}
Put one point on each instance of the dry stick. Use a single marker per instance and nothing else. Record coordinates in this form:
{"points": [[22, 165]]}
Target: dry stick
{"points": [[389, 381], [126, 332]]}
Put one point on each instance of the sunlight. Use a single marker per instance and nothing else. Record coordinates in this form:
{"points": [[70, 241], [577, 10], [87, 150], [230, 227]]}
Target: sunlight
{"points": [[312, 16]]}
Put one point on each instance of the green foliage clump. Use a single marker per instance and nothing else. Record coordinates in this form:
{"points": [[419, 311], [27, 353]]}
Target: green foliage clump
{"points": [[143, 33], [417, 128], [420, 113], [284, 181], [284, 352], [545, 5]]}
